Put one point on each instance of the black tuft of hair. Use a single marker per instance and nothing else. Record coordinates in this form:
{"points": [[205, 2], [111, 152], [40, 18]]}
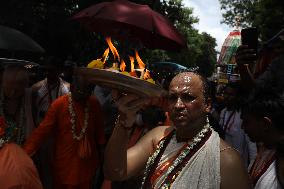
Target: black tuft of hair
{"points": [[266, 102]]}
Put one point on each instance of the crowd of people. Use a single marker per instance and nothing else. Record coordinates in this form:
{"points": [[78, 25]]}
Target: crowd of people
{"points": [[55, 134]]}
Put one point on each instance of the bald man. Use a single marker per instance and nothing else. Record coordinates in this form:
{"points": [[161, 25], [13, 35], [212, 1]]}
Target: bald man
{"points": [[188, 154]]}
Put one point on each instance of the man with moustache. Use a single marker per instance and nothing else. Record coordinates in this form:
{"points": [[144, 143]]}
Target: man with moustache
{"points": [[188, 154]]}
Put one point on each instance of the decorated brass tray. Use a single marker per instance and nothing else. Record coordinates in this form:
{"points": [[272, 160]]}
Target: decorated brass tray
{"points": [[125, 83]]}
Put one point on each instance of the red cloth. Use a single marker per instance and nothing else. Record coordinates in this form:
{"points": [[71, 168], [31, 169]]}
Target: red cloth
{"points": [[136, 135], [106, 184], [68, 167], [17, 169]]}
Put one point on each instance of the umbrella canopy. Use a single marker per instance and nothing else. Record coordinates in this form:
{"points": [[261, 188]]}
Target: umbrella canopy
{"points": [[126, 20], [229, 48], [14, 40], [27, 64]]}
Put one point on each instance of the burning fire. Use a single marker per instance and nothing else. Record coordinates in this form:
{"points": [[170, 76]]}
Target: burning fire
{"points": [[105, 55], [122, 66], [113, 49], [139, 60], [131, 58], [147, 75], [99, 63], [132, 70]]}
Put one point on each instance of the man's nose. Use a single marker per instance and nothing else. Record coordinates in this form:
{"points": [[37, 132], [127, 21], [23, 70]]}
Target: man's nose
{"points": [[179, 103]]}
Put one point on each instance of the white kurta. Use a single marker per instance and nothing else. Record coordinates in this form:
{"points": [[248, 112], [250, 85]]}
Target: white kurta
{"points": [[202, 170]]}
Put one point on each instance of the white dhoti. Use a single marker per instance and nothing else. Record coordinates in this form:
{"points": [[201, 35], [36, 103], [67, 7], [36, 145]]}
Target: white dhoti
{"points": [[269, 179], [202, 171]]}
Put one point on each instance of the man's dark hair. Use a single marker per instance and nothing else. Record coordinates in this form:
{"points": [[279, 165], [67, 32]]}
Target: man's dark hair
{"points": [[266, 102], [76, 82]]}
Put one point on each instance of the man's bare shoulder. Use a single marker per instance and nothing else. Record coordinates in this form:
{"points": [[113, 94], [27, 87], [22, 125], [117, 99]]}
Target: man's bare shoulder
{"points": [[159, 132], [150, 140], [228, 154], [233, 172]]}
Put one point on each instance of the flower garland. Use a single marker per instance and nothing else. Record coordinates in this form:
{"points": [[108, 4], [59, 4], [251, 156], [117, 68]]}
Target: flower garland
{"points": [[155, 158], [73, 119], [12, 128]]}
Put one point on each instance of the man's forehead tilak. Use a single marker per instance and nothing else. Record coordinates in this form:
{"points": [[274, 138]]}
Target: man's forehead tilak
{"points": [[182, 81], [185, 82]]}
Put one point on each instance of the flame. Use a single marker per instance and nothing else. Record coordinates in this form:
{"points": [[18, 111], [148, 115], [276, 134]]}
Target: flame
{"points": [[147, 75], [99, 63], [113, 49], [139, 60], [105, 55], [131, 58], [132, 70], [122, 66]]}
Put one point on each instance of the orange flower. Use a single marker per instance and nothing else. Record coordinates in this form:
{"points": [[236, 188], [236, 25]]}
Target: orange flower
{"points": [[3, 126]]}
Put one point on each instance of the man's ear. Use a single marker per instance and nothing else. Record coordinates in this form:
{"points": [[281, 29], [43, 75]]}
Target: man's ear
{"points": [[267, 122], [208, 104]]}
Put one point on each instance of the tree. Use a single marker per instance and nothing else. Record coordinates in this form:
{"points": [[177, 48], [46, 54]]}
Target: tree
{"points": [[244, 9], [267, 15], [207, 59]]}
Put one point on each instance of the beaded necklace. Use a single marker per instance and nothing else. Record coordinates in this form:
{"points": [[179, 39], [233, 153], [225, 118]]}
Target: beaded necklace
{"points": [[177, 165], [14, 132], [73, 119]]}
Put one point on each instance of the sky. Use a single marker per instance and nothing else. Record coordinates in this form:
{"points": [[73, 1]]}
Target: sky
{"points": [[210, 16]]}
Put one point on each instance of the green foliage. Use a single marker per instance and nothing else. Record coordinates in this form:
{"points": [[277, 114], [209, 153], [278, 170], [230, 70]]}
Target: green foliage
{"points": [[267, 15], [243, 8], [207, 59]]}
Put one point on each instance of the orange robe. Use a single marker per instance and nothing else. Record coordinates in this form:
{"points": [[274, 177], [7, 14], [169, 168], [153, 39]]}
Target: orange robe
{"points": [[17, 169], [68, 167]]}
